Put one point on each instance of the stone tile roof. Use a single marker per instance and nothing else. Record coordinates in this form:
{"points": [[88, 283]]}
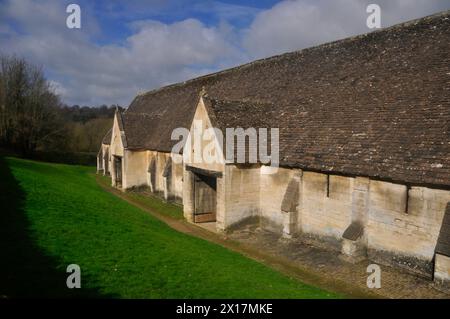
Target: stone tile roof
{"points": [[141, 130], [374, 105], [235, 114], [443, 243], [107, 138], [354, 231], [232, 114], [152, 117]]}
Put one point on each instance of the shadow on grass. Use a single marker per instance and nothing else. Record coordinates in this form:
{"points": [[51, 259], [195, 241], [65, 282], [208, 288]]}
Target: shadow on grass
{"points": [[25, 271]]}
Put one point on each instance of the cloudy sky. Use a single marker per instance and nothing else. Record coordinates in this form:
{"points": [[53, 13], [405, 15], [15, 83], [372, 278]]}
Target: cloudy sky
{"points": [[125, 47]]}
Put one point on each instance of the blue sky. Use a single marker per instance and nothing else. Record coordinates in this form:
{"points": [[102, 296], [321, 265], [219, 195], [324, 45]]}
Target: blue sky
{"points": [[127, 47]]}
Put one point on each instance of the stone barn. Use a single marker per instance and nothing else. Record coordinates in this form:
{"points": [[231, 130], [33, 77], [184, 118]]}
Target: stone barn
{"points": [[364, 146], [103, 161]]}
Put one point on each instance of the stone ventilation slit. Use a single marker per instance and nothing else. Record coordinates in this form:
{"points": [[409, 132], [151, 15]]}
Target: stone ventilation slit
{"points": [[328, 186], [408, 188]]}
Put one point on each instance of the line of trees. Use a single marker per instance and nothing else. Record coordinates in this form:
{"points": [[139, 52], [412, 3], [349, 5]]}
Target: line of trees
{"points": [[28, 107], [33, 118]]}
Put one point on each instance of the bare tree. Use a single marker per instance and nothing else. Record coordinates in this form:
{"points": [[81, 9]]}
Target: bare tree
{"points": [[28, 107]]}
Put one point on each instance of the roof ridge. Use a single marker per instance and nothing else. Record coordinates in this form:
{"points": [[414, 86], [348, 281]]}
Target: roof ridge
{"points": [[142, 114], [291, 53], [244, 101]]}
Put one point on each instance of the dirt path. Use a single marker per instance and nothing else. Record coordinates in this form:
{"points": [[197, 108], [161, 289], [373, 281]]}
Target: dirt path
{"points": [[311, 265]]}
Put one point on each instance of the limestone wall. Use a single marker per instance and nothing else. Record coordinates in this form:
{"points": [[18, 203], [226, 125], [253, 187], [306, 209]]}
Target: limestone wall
{"points": [[174, 191], [188, 196], [395, 230], [103, 159], [202, 150], [177, 176], [116, 146], [99, 162], [134, 167], [398, 229], [116, 149], [161, 161], [151, 155], [324, 206], [106, 163], [273, 185], [239, 194], [325, 212]]}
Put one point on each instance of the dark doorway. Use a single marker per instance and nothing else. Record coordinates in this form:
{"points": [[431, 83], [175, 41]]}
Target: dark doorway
{"points": [[118, 170], [106, 161], [205, 203]]}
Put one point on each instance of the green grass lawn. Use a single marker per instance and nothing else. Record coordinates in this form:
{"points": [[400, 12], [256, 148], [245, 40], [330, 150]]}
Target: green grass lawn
{"points": [[53, 215], [169, 209]]}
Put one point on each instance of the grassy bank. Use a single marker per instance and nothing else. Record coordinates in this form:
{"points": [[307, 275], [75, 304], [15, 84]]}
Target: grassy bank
{"points": [[57, 215]]}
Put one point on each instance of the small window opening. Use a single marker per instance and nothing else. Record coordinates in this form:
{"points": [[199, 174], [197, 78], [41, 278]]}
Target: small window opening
{"points": [[328, 186], [408, 188]]}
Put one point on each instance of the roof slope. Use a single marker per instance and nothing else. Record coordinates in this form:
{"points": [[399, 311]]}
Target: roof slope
{"points": [[374, 105], [107, 138], [235, 114], [232, 114]]}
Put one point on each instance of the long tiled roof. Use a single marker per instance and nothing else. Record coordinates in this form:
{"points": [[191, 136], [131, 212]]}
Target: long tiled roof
{"points": [[374, 105]]}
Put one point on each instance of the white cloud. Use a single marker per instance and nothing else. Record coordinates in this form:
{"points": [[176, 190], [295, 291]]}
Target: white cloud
{"points": [[293, 25], [183, 43], [57, 88], [157, 53], [87, 73]]}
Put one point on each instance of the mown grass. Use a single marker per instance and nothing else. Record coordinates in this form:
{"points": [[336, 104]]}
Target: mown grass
{"points": [[150, 201], [58, 215]]}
